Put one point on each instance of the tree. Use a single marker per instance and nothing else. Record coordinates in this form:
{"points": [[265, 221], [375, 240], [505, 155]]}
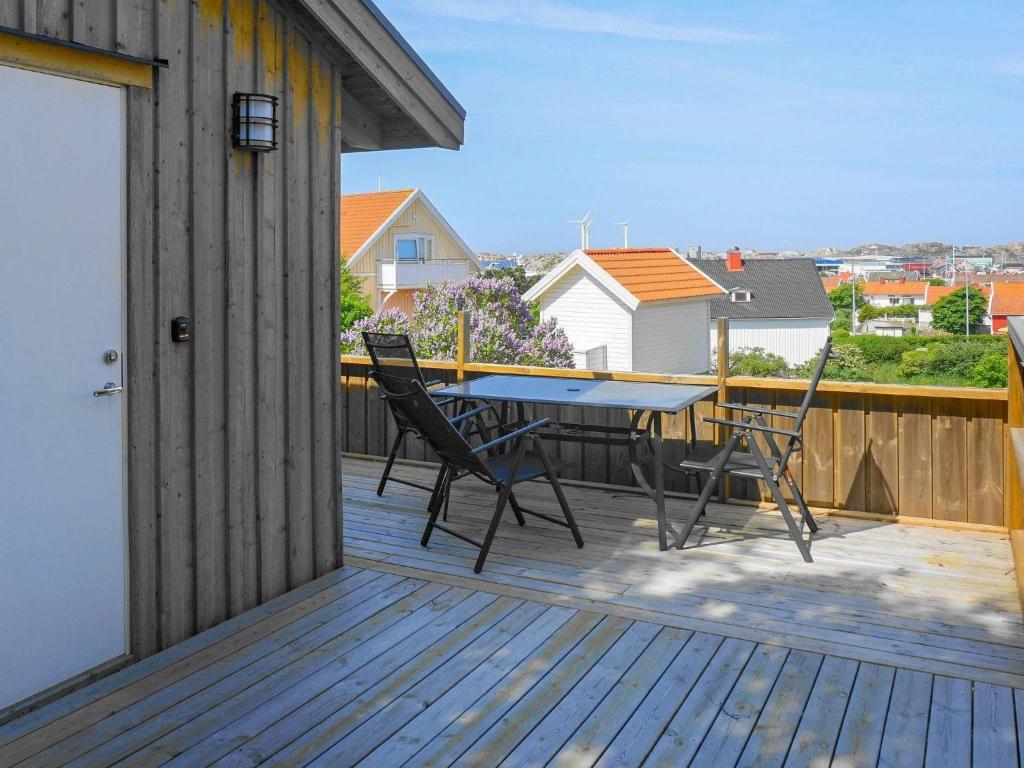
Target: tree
{"points": [[935, 281], [842, 302], [352, 303], [949, 312]]}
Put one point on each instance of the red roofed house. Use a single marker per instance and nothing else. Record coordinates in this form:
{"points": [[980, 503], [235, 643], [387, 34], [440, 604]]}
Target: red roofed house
{"points": [[936, 292], [631, 309], [397, 242], [831, 282], [1006, 300]]}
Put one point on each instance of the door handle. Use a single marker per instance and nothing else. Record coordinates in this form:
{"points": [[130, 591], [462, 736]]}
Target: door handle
{"points": [[110, 388]]}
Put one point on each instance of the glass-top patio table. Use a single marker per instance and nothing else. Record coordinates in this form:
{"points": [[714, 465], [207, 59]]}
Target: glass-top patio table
{"points": [[647, 400]]}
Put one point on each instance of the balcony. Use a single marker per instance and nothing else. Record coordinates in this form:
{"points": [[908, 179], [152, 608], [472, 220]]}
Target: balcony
{"points": [[901, 645], [400, 275]]}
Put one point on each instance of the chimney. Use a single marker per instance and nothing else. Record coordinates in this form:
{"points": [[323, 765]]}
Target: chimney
{"points": [[733, 260]]}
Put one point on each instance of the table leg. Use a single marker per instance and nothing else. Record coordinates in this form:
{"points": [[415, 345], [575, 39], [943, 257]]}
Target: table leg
{"points": [[659, 481]]}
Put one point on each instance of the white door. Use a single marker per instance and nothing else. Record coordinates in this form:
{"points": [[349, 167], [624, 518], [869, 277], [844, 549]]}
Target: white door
{"points": [[62, 529]]}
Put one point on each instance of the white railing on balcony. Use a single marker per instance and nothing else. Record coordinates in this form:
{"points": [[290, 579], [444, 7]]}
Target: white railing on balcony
{"points": [[395, 275]]}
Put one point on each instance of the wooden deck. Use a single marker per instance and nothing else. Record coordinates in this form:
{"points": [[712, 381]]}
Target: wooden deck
{"points": [[900, 646]]}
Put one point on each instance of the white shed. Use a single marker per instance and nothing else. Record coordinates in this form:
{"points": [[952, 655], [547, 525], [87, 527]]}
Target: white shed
{"points": [[636, 309]]}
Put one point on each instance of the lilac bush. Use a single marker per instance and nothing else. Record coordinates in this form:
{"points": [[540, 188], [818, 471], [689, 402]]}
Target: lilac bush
{"points": [[387, 321], [503, 328]]}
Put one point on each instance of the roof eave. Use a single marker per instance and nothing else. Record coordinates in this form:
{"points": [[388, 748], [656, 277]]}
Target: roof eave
{"points": [[591, 267], [365, 34]]}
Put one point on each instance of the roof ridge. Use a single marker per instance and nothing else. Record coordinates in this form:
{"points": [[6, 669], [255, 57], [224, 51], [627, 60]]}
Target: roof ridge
{"points": [[379, 192], [652, 249]]}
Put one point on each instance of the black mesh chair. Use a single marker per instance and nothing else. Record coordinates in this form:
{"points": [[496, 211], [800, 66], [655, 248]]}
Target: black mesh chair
{"points": [[755, 463], [392, 355], [524, 460]]}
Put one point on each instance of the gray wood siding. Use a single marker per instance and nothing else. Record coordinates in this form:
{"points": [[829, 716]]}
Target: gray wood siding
{"points": [[233, 439], [114, 25]]}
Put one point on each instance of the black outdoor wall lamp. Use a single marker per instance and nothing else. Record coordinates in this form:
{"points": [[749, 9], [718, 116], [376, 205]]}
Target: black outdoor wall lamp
{"points": [[254, 122]]}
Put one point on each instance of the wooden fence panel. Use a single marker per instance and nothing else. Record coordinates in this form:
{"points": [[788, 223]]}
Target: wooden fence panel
{"points": [[915, 457], [985, 472], [850, 456], [882, 455], [949, 462], [867, 448], [819, 447]]}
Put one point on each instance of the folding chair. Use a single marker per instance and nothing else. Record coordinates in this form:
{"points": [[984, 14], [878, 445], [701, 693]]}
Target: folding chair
{"points": [[392, 354], [458, 458], [755, 464]]}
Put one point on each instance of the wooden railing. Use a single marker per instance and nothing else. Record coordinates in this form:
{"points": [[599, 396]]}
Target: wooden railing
{"points": [[1015, 448], [1015, 424], [923, 453]]}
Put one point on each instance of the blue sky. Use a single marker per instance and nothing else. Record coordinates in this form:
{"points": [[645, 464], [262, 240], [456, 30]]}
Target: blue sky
{"points": [[766, 125]]}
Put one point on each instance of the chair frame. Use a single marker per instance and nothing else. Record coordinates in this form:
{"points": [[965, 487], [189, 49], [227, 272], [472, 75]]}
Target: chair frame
{"points": [[468, 460], [401, 341], [773, 466]]}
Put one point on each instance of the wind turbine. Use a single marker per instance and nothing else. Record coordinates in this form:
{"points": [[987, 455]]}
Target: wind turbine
{"points": [[584, 230]]}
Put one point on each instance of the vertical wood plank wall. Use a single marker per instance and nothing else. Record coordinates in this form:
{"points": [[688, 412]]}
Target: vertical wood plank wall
{"points": [[233, 439], [917, 456]]}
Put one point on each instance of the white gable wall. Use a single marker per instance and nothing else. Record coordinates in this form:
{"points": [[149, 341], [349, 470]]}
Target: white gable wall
{"points": [[591, 316], [671, 337], [796, 340]]}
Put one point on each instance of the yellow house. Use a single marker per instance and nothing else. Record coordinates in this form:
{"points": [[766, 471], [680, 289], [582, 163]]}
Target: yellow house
{"points": [[396, 242]]}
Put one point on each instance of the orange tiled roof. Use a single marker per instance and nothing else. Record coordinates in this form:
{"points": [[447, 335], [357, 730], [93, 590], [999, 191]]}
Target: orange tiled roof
{"points": [[936, 292], [362, 215], [831, 282], [654, 274], [1007, 299], [911, 288]]}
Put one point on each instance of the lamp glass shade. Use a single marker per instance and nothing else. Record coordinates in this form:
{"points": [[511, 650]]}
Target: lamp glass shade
{"points": [[254, 121]]}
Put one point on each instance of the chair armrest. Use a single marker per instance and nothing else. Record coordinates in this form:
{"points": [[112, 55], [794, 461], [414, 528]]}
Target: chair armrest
{"points": [[751, 425], [755, 409], [467, 414], [511, 435]]}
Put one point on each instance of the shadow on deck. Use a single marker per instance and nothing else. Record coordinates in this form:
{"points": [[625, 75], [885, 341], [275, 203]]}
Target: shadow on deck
{"points": [[899, 645]]}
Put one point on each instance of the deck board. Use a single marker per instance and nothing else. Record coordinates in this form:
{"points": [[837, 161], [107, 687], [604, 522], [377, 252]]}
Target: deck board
{"points": [[731, 653], [883, 594]]}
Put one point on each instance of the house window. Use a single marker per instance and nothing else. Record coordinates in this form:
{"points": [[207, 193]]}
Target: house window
{"points": [[739, 296], [414, 247], [895, 301]]}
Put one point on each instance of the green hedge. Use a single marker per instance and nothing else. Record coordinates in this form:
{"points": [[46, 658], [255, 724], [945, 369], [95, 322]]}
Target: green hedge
{"points": [[890, 349]]}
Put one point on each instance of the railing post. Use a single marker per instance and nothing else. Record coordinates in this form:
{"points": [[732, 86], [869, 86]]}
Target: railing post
{"points": [[722, 353], [462, 345]]}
